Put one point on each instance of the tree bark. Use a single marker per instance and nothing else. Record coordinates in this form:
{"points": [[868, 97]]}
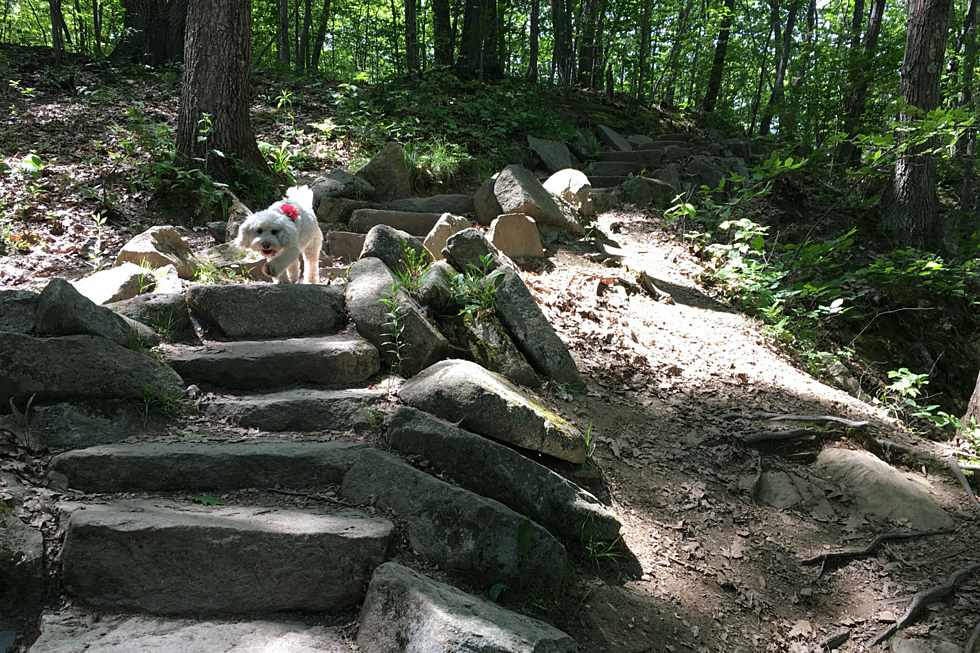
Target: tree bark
{"points": [[284, 57], [644, 53], [764, 69], [587, 55], [57, 32], [718, 66], [847, 153], [303, 58], [442, 37], [532, 63], [966, 145], [316, 48], [562, 29], [411, 36], [911, 214], [776, 97], [215, 84]]}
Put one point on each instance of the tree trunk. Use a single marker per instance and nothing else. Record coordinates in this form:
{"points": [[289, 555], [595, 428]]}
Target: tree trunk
{"points": [[587, 58], [683, 24], [966, 145], [562, 55], [911, 214], [321, 33], [214, 98], [776, 97], [97, 29], [847, 153], [532, 64], [764, 69], [442, 37], [57, 32], [411, 36], [284, 33], [972, 414], [718, 66], [644, 51], [303, 57]]}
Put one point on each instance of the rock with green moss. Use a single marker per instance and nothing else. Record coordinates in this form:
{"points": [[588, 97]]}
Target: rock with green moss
{"points": [[492, 348], [488, 404]]}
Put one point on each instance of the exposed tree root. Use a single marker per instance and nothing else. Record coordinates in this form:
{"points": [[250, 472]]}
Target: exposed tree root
{"points": [[949, 461], [837, 556]]}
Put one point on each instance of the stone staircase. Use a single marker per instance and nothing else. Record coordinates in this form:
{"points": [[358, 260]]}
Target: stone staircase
{"points": [[616, 166], [203, 575]]}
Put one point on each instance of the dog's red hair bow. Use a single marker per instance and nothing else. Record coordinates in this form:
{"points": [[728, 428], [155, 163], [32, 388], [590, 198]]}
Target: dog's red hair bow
{"points": [[289, 210]]}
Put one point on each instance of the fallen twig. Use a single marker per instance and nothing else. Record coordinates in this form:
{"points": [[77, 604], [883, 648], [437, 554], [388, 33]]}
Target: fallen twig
{"points": [[777, 417], [765, 436], [949, 461], [970, 645], [307, 495], [955, 466], [924, 598], [835, 556], [834, 641]]}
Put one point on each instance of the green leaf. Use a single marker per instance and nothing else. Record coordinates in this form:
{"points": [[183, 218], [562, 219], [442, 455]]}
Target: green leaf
{"points": [[207, 501], [496, 590], [524, 536]]}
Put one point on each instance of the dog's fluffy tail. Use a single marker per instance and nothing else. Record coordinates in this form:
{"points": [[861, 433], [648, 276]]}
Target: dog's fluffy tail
{"points": [[301, 195]]}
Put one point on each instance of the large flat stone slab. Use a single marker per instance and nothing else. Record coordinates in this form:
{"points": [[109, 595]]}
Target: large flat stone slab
{"points": [[405, 611], [486, 403], [165, 313], [171, 466], [419, 342], [181, 560], [65, 426], [455, 528], [455, 204], [298, 410], [76, 631], [417, 224], [650, 159], [331, 361], [496, 471], [532, 333], [270, 310], [880, 490], [79, 368]]}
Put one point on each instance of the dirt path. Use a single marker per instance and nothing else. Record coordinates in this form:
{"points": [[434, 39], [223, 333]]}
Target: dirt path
{"points": [[713, 571]]}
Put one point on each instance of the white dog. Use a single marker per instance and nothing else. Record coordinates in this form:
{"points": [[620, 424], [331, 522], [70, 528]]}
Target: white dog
{"points": [[284, 232]]}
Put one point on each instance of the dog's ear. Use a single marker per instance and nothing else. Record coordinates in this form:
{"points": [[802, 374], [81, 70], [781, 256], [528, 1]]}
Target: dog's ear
{"points": [[244, 239], [288, 233]]}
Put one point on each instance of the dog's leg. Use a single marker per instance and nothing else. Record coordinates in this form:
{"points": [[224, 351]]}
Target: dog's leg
{"points": [[292, 272], [278, 264], [311, 260]]}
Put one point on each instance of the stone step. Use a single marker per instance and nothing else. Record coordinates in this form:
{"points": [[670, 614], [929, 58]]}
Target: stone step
{"points": [[606, 181], [416, 224], [163, 466], [73, 630], [172, 559], [342, 360], [651, 158], [299, 410]]}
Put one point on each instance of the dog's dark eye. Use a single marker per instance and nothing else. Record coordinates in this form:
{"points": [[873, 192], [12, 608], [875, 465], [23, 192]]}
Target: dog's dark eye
{"points": [[275, 231], [258, 231]]}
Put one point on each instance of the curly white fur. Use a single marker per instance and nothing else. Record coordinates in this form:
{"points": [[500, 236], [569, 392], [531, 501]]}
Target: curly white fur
{"points": [[282, 233]]}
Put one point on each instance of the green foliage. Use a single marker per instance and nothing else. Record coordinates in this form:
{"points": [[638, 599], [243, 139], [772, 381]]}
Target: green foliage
{"points": [[23, 417], [414, 265], [159, 403], [205, 500], [600, 550], [476, 290], [395, 328]]}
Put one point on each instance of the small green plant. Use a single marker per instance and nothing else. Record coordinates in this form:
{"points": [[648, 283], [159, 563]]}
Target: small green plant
{"points": [[23, 417], [477, 290], [375, 419], [414, 264], [205, 500], [524, 534], [590, 444], [160, 403], [599, 550], [164, 324], [395, 329]]}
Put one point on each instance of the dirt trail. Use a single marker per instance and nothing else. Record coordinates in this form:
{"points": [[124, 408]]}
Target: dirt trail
{"points": [[712, 570]]}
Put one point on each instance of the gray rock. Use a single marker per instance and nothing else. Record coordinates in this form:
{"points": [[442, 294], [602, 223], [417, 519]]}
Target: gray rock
{"points": [[470, 249], [17, 310], [611, 138], [331, 361], [447, 225], [784, 491], [74, 631], [165, 313], [644, 191], [486, 205], [68, 426], [519, 191], [344, 245], [218, 230], [158, 247], [532, 333], [455, 528], [165, 558], [417, 224], [649, 159], [391, 246], [684, 137], [614, 169], [554, 155], [928, 644], [337, 209], [492, 348], [581, 147], [498, 472], [186, 466], [341, 184], [167, 281], [881, 490], [80, 368], [388, 173], [405, 611], [604, 201], [146, 338], [670, 176], [606, 182], [733, 165], [115, 284], [299, 410], [260, 311], [455, 204], [739, 148], [21, 569], [435, 291], [486, 403], [237, 213], [421, 344], [640, 142], [515, 235], [675, 153], [707, 174], [572, 186], [63, 311], [228, 257]]}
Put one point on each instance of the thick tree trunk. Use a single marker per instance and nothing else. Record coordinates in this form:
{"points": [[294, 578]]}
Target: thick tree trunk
{"points": [[973, 407], [966, 145], [561, 19], [911, 214], [718, 66], [764, 69], [411, 36], [587, 51], [847, 153], [644, 51], [303, 58], [215, 90], [284, 57], [442, 37], [532, 63], [776, 97], [316, 49], [57, 32]]}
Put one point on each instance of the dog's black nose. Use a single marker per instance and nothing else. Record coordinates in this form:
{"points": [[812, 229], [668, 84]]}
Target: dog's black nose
{"points": [[266, 244]]}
